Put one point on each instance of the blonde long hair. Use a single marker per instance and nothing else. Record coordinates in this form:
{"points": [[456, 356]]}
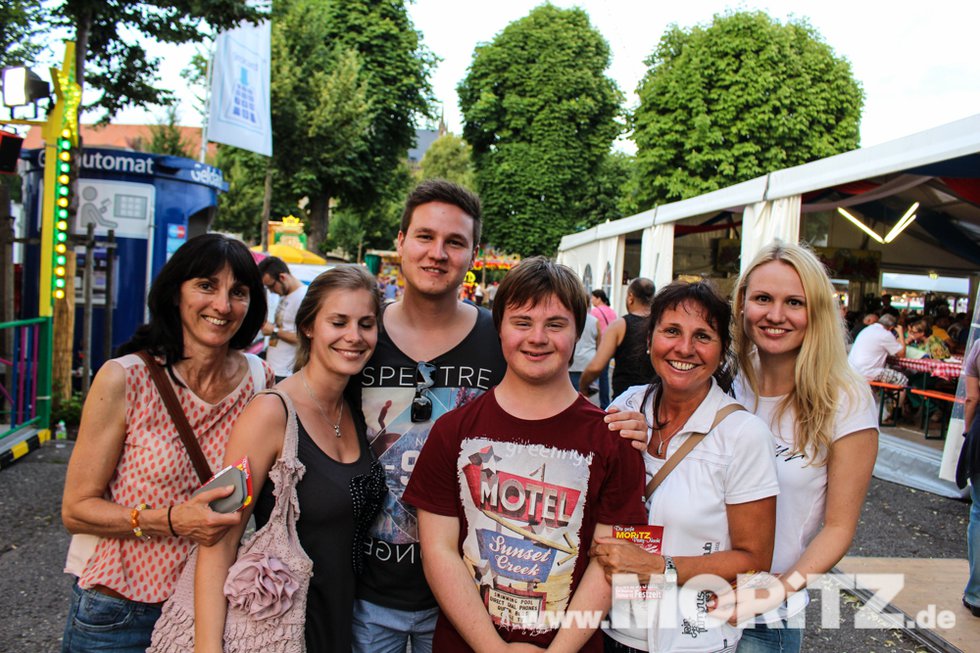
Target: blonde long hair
{"points": [[821, 370]]}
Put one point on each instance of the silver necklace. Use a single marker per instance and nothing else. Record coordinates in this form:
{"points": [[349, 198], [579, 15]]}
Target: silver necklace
{"points": [[319, 407], [660, 439]]}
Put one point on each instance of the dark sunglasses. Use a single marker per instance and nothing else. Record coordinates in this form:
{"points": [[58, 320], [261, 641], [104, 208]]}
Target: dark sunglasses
{"points": [[421, 404]]}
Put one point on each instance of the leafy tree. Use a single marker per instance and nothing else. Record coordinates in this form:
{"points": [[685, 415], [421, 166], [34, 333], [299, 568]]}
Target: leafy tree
{"points": [[348, 79], [108, 49], [21, 24], [736, 99], [356, 229], [612, 196], [541, 115], [449, 157], [167, 137]]}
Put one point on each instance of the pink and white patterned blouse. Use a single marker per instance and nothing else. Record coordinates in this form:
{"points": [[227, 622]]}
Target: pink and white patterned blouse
{"points": [[154, 469]]}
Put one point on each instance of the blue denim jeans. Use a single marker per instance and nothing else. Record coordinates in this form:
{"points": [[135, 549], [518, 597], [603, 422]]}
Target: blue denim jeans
{"points": [[765, 639], [604, 397], [97, 622], [386, 630], [971, 594]]}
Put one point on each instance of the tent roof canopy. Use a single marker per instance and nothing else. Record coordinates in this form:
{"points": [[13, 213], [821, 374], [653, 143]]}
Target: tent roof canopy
{"points": [[939, 168]]}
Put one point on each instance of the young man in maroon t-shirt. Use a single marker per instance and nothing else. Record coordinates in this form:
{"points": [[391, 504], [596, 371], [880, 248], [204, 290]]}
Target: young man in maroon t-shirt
{"points": [[512, 487]]}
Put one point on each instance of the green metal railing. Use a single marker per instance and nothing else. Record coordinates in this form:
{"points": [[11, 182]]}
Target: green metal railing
{"points": [[25, 364]]}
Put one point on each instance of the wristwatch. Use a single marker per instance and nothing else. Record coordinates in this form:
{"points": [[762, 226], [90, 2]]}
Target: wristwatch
{"points": [[670, 571], [275, 331]]}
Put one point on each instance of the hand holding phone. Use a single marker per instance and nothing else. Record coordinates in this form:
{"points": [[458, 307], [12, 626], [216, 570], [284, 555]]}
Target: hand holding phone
{"points": [[240, 478]]}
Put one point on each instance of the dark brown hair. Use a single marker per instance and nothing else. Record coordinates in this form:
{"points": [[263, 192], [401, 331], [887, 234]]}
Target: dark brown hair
{"points": [[532, 280], [440, 190]]}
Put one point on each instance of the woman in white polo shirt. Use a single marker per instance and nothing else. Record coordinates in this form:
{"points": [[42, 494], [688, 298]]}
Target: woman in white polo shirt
{"points": [[715, 512], [794, 374]]}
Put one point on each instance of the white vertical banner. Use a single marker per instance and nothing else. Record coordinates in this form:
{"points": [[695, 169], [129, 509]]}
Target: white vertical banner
{"points": [[239, 110]]}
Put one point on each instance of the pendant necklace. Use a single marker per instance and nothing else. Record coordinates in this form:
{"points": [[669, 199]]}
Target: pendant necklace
{"points": [[319, 407], [661, 443]]}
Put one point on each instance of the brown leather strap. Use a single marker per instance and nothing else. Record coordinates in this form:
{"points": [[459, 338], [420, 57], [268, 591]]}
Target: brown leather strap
{"points": [[177, 415], [685, 449]]}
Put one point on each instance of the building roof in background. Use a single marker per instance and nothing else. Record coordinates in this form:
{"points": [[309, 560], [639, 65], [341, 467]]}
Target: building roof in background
{"points": [[126, 137]]}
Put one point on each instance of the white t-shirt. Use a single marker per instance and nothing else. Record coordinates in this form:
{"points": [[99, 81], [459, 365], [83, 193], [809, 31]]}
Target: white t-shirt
{"points": [[733, 464], [585, 348], [802, 487], [282, 355], [870, 349]]}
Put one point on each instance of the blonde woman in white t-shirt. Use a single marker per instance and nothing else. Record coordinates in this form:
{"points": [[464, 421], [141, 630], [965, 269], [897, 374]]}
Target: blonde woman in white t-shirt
{"points": [[794, 374]]}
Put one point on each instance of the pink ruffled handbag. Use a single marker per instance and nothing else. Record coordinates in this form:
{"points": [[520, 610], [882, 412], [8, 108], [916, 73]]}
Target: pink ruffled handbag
{"points": [[267, 585]]}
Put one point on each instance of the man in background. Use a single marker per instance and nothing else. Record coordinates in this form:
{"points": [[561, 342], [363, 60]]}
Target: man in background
{"points": [[281, 352]]}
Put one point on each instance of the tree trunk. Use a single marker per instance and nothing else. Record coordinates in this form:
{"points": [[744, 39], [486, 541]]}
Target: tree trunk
{"points": [[319, 222], [82, 31], [266, 207], [63, 328]]}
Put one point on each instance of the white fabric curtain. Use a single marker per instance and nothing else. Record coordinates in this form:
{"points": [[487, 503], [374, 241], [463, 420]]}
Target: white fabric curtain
{"points": [[611, 254], [764, 221], [657, 254]]}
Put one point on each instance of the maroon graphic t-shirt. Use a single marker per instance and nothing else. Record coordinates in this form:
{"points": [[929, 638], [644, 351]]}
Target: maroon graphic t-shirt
{"points": [[528, 495]]}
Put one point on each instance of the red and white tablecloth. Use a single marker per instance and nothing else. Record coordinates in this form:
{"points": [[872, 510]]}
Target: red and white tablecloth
{"points": [[949, 370]]}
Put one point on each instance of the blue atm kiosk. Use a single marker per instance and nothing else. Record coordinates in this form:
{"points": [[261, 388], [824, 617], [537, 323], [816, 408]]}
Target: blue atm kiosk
{"points": [[154, 203]]}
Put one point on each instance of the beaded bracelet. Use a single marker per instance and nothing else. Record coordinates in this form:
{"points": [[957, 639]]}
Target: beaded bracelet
{"points": [[134, 520]]}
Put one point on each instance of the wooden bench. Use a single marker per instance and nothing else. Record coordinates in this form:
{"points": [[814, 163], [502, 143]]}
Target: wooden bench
{"points": [[946, 407], [884, 390]]}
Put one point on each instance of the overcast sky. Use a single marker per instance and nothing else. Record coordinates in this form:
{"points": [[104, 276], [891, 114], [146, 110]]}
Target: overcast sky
{"points": [[919, 63]]}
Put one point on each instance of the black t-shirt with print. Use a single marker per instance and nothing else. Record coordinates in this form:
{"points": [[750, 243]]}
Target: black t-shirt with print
{"points": [[393, 575]]}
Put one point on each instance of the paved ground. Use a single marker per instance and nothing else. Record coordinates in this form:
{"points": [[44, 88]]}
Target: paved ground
{"points": [[896, 521]]}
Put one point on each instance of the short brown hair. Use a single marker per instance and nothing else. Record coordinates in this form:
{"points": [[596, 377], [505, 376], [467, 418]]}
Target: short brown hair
{"points": [[342, 277], [532, 280], [441, 190]]}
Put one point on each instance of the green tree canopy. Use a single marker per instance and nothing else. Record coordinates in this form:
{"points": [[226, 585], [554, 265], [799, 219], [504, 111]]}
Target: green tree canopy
{"points": [[736, 99], [541, 116], [109, 36], [449, 157], [21, 23]]}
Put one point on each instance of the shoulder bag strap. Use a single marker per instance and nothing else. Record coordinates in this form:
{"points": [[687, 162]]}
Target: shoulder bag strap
{"points": [[685, 449], [177, 415]]}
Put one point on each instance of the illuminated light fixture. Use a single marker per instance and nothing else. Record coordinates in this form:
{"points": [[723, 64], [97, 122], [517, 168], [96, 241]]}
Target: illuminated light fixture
{"points": [[933, 275], [22, 86], [59, 271], [59, 294], [904, 222], [65, 156], [860, 225], [63, 202], [59, 283], [60, 259], [60, 248], [63, 179], [62, 225], [62, 237]]}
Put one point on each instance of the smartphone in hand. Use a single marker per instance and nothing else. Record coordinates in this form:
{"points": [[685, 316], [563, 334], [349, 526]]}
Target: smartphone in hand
{"points": [[238, 476]]}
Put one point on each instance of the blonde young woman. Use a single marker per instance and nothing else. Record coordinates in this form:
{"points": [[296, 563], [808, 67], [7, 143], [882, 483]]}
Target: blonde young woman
{"points": [[337, 326], [794, 374]]}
